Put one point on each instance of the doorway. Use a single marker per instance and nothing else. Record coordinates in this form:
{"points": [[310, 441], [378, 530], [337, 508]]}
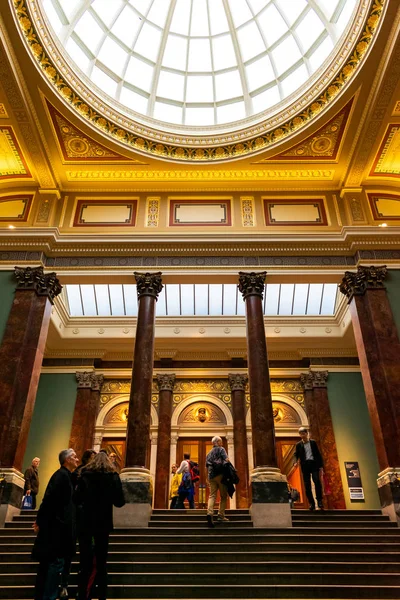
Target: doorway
{"points": [[118, 445], [198, 448], [285, 449]]}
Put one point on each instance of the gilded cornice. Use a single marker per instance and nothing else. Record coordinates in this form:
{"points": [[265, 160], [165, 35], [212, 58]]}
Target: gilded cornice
{"points": [[220, 146], [203, 175]]}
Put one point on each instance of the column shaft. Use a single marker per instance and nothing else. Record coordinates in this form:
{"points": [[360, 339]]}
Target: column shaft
{"points": [[379, 351], [240, 440], [161, 493], [262, 419], [85, 412], [21, 356], [139, 417]]}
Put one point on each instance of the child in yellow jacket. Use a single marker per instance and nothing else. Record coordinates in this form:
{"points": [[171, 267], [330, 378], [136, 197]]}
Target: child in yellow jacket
{"points": [[175, 482]]}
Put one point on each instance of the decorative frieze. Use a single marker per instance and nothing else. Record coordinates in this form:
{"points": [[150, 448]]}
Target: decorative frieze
{"points": [[247, 209], [33, 278], [152, 211], [366, 278]]}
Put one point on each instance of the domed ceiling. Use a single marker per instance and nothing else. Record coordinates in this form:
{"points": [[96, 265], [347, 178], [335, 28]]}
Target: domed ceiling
{"points": [[199, 79]]}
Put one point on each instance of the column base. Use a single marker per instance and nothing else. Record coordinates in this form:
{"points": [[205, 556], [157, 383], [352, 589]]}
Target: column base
{"points": [[11, 492], [270, 502], [137, 484], [389, 493]]}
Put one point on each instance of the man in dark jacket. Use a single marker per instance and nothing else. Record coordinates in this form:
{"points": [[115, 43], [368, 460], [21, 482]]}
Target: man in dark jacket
{"points": [[55, 528], [309, 456], [31, 477]]}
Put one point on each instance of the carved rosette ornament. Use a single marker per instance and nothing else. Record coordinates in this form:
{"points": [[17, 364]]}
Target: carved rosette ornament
{"points": [[148, 284], [252, 284], [88, 379], [314, 379], [237, 381], [166, 382], [366, 278], [33, 278]]}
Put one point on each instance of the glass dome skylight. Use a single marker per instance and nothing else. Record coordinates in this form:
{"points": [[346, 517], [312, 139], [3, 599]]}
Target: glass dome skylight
{"points": [[199, 62]]}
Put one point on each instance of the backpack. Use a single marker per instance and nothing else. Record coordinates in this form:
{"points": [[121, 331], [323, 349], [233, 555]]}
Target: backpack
{"points": [[194, 471]]}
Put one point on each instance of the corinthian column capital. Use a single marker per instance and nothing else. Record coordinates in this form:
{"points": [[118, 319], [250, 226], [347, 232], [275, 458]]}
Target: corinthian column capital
{"points": [[96, 382], [237, 381], [314, 379], [166, 381], [366, 278], [252, 284], [33, 278], [148, 284]]}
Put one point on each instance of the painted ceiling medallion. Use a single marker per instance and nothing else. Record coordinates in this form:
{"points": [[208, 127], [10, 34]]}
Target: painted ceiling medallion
{"points": [[249, 136]]}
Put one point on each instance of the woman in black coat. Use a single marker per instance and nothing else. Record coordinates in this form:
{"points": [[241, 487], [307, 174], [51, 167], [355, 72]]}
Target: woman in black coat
{"points": [[98, 490]]}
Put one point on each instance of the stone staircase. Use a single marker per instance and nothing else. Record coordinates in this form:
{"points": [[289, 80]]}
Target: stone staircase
{"points": [[335, 554]]}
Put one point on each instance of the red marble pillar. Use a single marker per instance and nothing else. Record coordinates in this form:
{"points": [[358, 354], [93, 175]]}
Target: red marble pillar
{"points": [[138, 431], [321, 430], [269, 492], [85, 412], [378, 347], [166, 387], [238, 383], [21, 355], [251, 285]]}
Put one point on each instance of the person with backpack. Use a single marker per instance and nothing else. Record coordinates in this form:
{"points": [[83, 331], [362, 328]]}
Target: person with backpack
{"points": [[190, 474], [215, 461]]}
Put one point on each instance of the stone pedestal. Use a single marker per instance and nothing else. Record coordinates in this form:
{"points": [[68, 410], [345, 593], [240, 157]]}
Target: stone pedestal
{"points": [[11, 493], [378, 347], [270, 501], [165, 384], [389, 493], [238, 383], [270, 506], [85, 412], [137, 485], [321, 430], [137, 479]]}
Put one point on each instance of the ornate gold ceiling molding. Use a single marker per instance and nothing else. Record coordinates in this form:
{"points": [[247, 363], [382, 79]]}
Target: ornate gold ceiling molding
{"points": [[219, 147], [209, 175]]}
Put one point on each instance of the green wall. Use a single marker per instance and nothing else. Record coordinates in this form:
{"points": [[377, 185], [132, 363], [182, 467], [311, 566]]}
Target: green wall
{"points": [[353, 434], [51, 423], [392, 284], [7, 288]]}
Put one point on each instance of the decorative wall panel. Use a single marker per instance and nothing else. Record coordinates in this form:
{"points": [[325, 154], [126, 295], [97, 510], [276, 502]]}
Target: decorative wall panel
{"points": [[324, 144], [15, 208], [200, 212], [12, 161], [385, 206], [295, 212], [3, 112], [77, 147], [105, 213], [387, 160]]}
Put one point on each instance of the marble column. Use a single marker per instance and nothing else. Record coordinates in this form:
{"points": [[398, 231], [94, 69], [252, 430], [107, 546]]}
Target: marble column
{"points": [[165, 384], [85, 413], [270, 503], [238, 383], [321, 430], [136, 479], [21, 356], [378, 347]]}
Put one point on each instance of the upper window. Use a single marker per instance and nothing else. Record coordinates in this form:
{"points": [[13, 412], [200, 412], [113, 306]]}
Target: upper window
{"points": [[199, 62]]}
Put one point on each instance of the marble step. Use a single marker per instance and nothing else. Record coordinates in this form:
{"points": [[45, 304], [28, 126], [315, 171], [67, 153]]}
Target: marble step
{"points": [[223, 530], [230, 591], [226, 567]]}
